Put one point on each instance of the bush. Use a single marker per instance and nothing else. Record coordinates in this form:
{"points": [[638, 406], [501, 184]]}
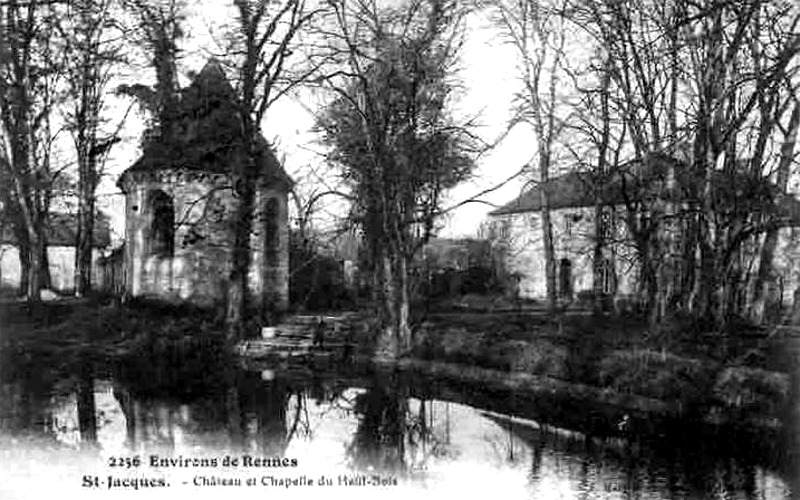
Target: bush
{"points": [[747, 389], [541, 358], [590, 298], [656, 374], [458, 344]]}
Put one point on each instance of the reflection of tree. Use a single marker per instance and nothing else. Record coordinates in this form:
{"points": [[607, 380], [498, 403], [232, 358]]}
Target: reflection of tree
{"points": [[252, 414], [126, 404], [379, 439], [423, 441], [266, 422], [792, 426], [395, 433], [87, 410], [148, 421], [27, 390], [270, 415]]}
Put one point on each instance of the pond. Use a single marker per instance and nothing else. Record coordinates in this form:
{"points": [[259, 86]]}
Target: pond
{"points": [[193, 427]]}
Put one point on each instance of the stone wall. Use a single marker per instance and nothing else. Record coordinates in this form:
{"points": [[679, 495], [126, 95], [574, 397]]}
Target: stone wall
{"points": [[519, 238], [62, 267], [198, 270]]}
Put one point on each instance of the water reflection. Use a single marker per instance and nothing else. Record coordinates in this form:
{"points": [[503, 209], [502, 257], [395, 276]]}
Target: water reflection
{"points": [[87, 410], [375, 423], [379, 439]]}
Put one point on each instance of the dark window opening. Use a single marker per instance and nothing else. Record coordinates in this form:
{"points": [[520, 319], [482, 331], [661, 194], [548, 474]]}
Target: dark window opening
{"points": [[565, 278], [162, 226], [272, 232]]}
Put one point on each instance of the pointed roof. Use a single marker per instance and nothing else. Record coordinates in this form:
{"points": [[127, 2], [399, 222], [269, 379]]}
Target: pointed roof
{"points": [[207, 132], [212, 73]]}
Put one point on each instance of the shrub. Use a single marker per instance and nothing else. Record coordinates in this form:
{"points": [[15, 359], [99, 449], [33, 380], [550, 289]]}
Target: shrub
{"points": [[746, 389], [541, 358], [458, 344], [656, 374]]}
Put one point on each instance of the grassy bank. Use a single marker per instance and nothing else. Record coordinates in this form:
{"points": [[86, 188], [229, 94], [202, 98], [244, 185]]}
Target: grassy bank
{"points": [[723, 377], [679, 368], [69, 332]]}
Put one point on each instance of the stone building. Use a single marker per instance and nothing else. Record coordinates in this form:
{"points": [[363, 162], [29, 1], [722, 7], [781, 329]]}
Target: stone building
{"points": [[180, 206], [516, 232], [61, 237]]}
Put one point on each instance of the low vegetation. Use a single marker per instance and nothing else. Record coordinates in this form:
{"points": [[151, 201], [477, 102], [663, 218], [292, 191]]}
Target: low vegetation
{"points": [[701, 374], [698, 372]]}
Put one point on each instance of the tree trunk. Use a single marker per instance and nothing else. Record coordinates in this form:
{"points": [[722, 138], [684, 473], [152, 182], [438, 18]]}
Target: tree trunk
{"points": [[762, 280], [404, 306], [87, 172], [33, 292], [598, 257], [236, 307], [395, 336], [84, 244], [24, 254], [547, 240], [387, 346], [45, 281]]}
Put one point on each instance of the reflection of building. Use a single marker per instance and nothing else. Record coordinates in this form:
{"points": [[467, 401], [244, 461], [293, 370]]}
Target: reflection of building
{"points": [[181, 202], [61, 243]]}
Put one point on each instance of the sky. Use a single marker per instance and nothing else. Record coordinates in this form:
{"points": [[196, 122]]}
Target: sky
{"points": [[488, 79]]}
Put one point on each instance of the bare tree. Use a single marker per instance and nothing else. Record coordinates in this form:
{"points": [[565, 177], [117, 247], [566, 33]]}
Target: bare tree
{"points": [[263, 38], [703, 84], [536, 30], [392, 137], [29, 73], [87, 31], [767, 253]]}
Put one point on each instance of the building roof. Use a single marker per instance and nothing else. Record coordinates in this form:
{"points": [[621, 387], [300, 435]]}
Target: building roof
{"points": [[647, 179], [207, 133], [63, 231], [569, 190]]}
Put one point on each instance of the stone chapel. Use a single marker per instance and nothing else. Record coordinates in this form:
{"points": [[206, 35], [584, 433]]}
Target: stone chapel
{"points": [[180, 206]]}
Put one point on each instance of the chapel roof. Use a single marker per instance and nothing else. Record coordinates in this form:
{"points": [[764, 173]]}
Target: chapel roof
{"points": [[207, 132]]}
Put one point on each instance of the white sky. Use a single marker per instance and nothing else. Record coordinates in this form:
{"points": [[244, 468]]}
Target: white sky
{"points": [[487, 77]]}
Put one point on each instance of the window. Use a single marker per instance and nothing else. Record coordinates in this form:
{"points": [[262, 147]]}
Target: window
{"points": [[162, 225], [606, 277], [504, 229], [272, 232], [606, 225], [565, 278]]}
